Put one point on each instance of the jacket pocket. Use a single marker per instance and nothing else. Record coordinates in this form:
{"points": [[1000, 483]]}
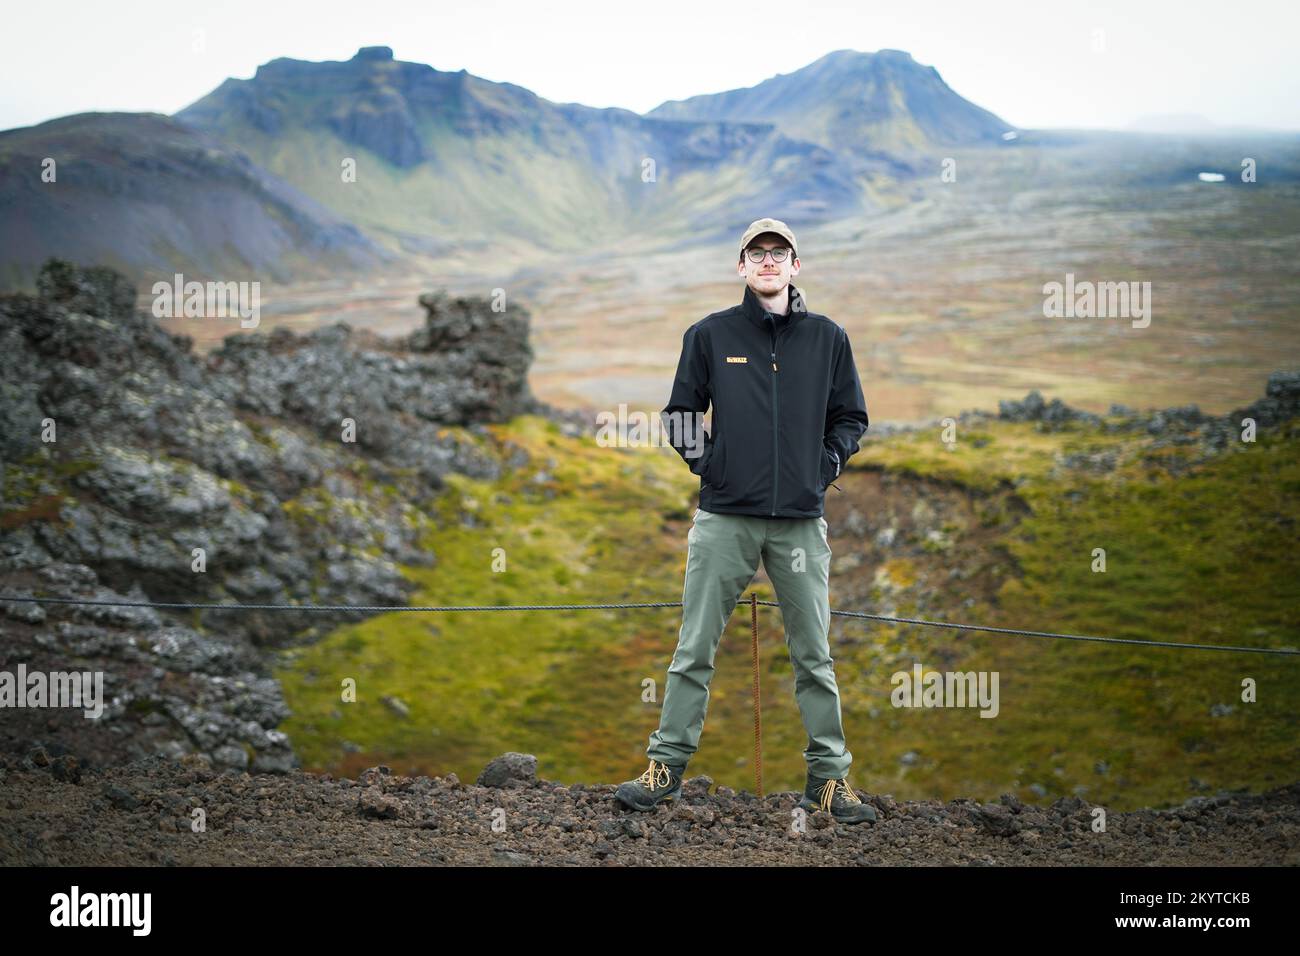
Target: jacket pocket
{"points": [[829, 468], [714, 470]]}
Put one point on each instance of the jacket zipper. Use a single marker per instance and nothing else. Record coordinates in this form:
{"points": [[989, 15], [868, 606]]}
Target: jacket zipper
{"points": [[776, 463]]}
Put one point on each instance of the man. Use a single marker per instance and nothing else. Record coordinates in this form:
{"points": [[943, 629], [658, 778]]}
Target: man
{"points": [[788, 411]]}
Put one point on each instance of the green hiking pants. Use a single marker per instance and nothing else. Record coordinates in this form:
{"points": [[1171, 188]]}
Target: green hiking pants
{"points": [[723, 551]]}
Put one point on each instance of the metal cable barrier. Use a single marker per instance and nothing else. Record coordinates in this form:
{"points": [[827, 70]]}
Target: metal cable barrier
{"points": [[753, 602], [587, 607]]}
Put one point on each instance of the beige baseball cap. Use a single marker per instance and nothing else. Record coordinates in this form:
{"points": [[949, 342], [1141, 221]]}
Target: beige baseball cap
{"points": [[760, 226]]}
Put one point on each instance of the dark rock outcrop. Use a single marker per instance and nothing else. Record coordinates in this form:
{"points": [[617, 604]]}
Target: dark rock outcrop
{"points": [[1032, 408], [1280, 403], [167, 688], [133, 467]]}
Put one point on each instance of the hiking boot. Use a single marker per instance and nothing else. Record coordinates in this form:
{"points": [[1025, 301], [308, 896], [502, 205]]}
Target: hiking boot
{"points": [[660, 783], [837, 797]]}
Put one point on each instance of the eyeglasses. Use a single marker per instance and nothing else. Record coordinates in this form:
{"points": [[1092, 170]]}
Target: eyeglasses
{"points": [[778, 254]]}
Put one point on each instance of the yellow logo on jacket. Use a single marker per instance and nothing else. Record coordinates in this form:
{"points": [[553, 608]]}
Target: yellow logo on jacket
{"points": [[742, 359]]}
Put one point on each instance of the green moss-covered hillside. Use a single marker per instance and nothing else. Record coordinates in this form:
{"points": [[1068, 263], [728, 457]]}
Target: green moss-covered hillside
{"points": [[999, 529]]}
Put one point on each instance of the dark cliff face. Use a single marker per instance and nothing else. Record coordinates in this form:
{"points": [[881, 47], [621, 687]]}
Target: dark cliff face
{"points": [[158, 452], [380, 120]]}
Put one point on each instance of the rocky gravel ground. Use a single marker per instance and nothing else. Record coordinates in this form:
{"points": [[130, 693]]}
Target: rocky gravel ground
{"points": [[55, 812]]}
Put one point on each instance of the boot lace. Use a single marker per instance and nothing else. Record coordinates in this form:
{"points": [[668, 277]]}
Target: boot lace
{"points": [[829, 788], [656, 775]]}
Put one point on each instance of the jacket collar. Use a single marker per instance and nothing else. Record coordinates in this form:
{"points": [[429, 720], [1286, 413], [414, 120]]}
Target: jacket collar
{"points": [[756, 314]]}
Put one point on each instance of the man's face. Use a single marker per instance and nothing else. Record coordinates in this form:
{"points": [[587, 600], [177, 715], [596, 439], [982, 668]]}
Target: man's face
{"points": [[768, 277]]}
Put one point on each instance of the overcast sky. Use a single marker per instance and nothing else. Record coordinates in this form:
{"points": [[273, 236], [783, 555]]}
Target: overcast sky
{"points": [[1036, 63]]}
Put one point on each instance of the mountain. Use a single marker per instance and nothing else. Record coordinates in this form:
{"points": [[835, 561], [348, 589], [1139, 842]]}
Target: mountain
{"points": [[257, 176], [854, 102], [150, 195], [442, 154]]}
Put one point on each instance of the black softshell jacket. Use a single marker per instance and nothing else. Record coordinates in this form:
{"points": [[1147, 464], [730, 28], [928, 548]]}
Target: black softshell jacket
{"points": [[788, 408]]}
